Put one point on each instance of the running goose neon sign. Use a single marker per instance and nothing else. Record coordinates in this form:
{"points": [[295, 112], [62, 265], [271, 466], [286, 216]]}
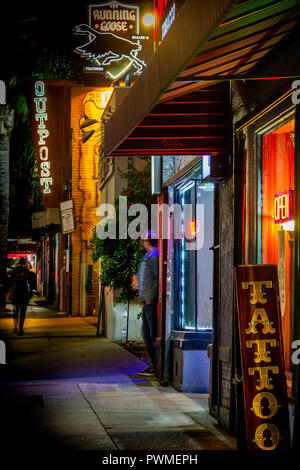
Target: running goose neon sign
{"points": [[114, 40]]}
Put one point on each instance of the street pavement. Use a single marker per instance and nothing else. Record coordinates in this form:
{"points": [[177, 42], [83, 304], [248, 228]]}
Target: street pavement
{"points": [[64, 388]]}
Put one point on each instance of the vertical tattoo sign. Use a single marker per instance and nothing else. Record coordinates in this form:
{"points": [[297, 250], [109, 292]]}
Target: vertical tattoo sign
{"points": [[260, 332]]}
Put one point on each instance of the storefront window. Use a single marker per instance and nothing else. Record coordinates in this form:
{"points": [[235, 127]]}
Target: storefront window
{"points": [[195, 266], [278, 238]]}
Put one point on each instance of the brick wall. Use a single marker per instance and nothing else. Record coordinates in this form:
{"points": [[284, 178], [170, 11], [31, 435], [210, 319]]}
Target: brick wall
{"points": [[86, 103]]}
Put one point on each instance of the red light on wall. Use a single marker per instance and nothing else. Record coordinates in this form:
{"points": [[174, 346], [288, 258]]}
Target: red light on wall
{"points": [[191, 228], [283, 207]]}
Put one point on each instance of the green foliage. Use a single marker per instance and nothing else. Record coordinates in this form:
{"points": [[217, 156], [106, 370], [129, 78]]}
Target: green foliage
{"points": [[19, 104], [139, 315], [138, 183], [120, 259], [53, 63]]}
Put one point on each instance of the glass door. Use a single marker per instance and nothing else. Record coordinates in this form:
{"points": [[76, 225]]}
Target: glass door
{"points": [[194, 257]]}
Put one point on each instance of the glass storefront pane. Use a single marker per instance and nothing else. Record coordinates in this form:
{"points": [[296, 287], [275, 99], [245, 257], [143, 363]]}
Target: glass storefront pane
{"points": [[187, 278], [194, 258], [205, 196]]}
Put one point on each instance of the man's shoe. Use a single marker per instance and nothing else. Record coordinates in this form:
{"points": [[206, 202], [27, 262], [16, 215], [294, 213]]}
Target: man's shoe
{"points": [[21, 333], [147, 372]]}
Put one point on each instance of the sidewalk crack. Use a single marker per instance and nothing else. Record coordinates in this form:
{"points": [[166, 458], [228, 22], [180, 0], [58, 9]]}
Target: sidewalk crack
{"points": [[90, 405]]}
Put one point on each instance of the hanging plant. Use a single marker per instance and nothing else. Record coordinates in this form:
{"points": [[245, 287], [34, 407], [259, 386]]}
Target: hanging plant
{"points": [[120, 259]]}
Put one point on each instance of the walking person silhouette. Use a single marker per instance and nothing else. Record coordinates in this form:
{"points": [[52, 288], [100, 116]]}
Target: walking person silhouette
{"points": [[21, 294]]}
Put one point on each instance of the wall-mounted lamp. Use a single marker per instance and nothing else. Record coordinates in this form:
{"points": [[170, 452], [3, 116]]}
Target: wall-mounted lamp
{"points": [[148, 19]]}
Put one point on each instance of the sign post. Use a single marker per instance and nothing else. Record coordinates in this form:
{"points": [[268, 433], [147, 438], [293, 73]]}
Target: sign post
{"points": [[261, 346]]}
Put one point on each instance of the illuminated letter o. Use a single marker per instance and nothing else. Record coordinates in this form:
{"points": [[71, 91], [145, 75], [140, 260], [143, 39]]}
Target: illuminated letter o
{"points": [[39, 88], [257, 407], [260, 439], [103, 26], [276, 209], [43, 153]]}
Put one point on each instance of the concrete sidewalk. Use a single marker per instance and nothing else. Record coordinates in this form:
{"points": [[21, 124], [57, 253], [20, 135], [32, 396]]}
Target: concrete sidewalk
{"points": [[65, 386], [38, 307]]}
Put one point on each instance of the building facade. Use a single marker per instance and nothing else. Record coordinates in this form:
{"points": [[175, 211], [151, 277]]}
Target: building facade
{"points": [[66, 125], [238, 163]]}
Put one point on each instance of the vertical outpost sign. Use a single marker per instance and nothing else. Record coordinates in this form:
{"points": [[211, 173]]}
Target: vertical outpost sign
{"points": [[41, 118], [265, 396], [49, 115]]}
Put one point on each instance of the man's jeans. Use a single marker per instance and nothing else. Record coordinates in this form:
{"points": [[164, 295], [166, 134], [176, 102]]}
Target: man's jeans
{"points": [[149, 328], [20, 313]]}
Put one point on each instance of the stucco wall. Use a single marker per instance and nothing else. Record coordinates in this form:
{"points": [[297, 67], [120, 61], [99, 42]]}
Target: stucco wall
{"points": [[114, 311]]}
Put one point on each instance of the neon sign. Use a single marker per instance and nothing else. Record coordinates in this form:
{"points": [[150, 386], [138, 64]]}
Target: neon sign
{"points": [[113, 18], [41, 117], [159, 7], [283, 207], [165, 12], [168, 22], [114, 40]]}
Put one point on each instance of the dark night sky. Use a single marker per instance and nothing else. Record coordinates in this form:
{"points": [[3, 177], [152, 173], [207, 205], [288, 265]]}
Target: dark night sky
{"points": [[25, 24], [31, 23]]}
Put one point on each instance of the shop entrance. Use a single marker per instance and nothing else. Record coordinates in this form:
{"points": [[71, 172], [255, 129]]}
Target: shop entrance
{"points": [[193, 286], [195, 259]]}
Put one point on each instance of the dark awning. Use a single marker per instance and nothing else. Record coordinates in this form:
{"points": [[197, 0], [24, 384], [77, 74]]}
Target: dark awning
{"points": [[196, 123], [209, 41]]}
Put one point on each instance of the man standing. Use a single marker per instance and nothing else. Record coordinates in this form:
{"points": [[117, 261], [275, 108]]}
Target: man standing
{"points": [[20, 293], [148, 294]]}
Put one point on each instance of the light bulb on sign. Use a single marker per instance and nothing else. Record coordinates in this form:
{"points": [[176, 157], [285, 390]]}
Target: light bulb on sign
{"points": [[148, 19]]}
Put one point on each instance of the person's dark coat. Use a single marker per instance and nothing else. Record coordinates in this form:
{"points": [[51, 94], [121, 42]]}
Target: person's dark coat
{"points": [[20, 284]]}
